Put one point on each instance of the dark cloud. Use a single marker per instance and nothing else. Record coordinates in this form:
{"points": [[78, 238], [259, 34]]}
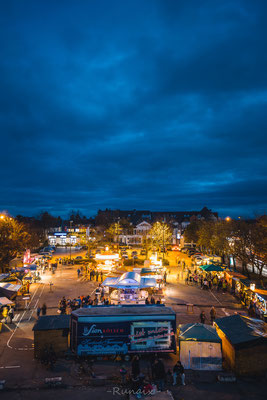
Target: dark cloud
{"points": [[159, 105]]}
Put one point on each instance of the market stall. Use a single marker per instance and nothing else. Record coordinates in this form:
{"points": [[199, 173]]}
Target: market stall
{"points": [[200, 347], [232, 277], [107, 260], [211, 268], [129, 287], [9, 290], [244, 344], [102, 330]]}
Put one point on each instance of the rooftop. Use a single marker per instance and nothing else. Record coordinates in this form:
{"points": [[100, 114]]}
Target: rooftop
{"points": [[124, 310], [241, 330], [52, 322], [198, 332]]}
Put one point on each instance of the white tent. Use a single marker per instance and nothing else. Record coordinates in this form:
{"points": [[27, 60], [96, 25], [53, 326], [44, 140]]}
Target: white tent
{"points": [[130, 280], [200, 347]]}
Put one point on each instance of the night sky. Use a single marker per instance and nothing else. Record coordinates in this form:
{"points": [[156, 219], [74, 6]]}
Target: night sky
{"points": [[154, 104]]}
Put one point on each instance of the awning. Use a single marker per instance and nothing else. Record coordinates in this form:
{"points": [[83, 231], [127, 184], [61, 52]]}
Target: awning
{"points": [[130, 280], [4, 301], [211, 268], [8, 289]]}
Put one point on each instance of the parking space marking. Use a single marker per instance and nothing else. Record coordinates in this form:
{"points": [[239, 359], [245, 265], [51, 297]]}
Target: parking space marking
{"points": [[21, 318]]}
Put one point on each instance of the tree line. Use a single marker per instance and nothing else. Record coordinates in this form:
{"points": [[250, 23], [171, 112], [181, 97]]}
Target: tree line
{"points": [[246, 241]]}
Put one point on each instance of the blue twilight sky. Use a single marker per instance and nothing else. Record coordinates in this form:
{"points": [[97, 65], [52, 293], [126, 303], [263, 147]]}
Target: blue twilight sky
{"points": [[155, 104]]}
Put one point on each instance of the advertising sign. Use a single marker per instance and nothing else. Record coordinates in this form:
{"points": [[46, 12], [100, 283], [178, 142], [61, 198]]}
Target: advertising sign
{"points": [[103, 338], [153, 335], [124, 337]]}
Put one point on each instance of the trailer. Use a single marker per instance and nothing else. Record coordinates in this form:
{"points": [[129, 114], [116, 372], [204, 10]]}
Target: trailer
{"points": [[123, 329]]}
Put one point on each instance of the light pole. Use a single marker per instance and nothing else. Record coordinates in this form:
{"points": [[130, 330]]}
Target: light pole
{"points": [[163, 241], [70, 238]]}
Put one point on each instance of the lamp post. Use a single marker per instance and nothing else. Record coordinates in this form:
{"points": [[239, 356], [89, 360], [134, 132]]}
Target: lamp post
{"points": [[70, 238], [163, 227]]}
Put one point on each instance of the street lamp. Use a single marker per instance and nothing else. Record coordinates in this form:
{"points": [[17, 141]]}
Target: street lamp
{"points": [[70, 238]]}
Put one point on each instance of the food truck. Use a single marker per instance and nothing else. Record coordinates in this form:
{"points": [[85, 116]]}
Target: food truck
{"points": [[123, 329]]}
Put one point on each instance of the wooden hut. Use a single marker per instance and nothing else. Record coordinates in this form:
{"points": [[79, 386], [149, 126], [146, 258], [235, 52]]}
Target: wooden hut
{"points": [[200, 347], [51, 330], [244, 344]]}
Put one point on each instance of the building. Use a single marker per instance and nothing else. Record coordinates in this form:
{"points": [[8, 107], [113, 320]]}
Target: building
{"points": [[244, 344], [70, 236], [109, 216], [200, 347], [51, 330], [140, 232]]}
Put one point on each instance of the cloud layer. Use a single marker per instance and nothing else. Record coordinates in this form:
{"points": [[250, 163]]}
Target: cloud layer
{"points": [[148, 105]]}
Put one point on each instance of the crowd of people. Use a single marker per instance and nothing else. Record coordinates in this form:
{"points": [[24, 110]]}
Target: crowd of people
{"points": [[206, 281], [157, 379]]}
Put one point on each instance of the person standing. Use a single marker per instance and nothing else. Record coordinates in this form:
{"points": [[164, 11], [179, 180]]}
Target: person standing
{"points": [[202, 317], [38, 311], [5, 313], [178, 370], [44, 309], [93, 274], [96, 276], [135, 367], [160, 374], [78, 272], [11, 314], [212, 314]]}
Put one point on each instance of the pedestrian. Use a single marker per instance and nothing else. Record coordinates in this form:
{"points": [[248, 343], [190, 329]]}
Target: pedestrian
{"points": [[178, 370], [5, 314], [91, 274], [44, 309], [205, 284], [78, 272], [202, 317], [11, 314], [224, 287], [123, 373], [152, 300], [101, 276], [212, 314], [165, 277], [96, 276], [219, 285], [38, 311], [135, 367], [160, 374]]}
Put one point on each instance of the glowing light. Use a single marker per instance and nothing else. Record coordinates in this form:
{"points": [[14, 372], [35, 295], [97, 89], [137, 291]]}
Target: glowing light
{"points": [[114, 257]]}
